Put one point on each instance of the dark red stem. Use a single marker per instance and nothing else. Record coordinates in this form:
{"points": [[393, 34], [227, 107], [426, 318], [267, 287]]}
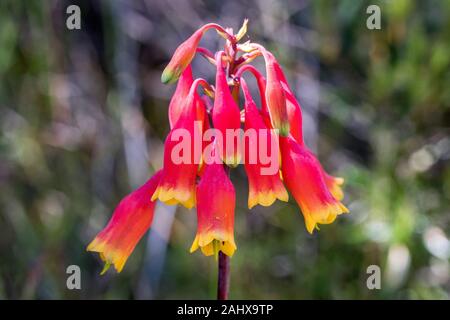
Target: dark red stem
{"points": [[223, 282]]}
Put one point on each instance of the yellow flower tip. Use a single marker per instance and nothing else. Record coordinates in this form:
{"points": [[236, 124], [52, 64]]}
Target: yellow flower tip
{"points": [[190, 203], [283, 195], [113, 258], [109, 255], [207, 250], [194, 246], [213, 247], [326, 215], [336, 190], [337, 193], [334, 185], [343, 208], [228, 248], [171, 202], [252, 201], [266, 199], [310, 224], [91, 246], [172, 197]]}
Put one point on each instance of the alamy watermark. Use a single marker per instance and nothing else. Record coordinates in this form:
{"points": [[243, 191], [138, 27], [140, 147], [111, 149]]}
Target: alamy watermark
{"points": [[73, 281], [374, 20], [73, 21], [374, 279]]}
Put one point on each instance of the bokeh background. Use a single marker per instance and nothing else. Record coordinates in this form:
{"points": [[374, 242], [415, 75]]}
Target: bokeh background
{"points": [[83, 115]]}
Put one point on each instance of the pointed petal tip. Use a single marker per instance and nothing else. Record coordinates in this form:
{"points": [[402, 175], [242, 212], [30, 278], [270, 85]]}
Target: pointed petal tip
{"points": [[194, 246], [344, 208]]}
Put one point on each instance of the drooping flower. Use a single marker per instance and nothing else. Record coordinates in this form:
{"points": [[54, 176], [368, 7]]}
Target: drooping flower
{"points": [[295, 120], [215, 212], [177, 183], [226, 118], [129, 222], [296, 130], [275, 96], [264, 186], [303, 177]]}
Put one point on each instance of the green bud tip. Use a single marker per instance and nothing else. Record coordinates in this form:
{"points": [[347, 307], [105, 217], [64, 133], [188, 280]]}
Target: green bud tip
{"points": [[166, 76], [105, 268], [284, 129]]}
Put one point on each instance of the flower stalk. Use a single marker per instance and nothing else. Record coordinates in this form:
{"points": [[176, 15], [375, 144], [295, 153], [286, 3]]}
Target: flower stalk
{"points": [[223, 278]]}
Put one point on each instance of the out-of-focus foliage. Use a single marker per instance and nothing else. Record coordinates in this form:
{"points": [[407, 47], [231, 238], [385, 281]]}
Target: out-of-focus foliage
{"points": [[83, 116]]}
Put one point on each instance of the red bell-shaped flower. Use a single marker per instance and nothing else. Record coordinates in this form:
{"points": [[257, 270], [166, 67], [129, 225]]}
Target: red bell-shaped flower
{"points": [[296, 130], [265, 185], [215, 212], [303, 177], [131, 219], [181, 159]]}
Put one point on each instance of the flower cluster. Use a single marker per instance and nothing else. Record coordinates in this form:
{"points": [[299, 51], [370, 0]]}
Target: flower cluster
{"points": [[202, 179]]}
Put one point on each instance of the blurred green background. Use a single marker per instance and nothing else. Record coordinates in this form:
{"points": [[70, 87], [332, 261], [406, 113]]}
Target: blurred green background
{"points": [[83, 115]]}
